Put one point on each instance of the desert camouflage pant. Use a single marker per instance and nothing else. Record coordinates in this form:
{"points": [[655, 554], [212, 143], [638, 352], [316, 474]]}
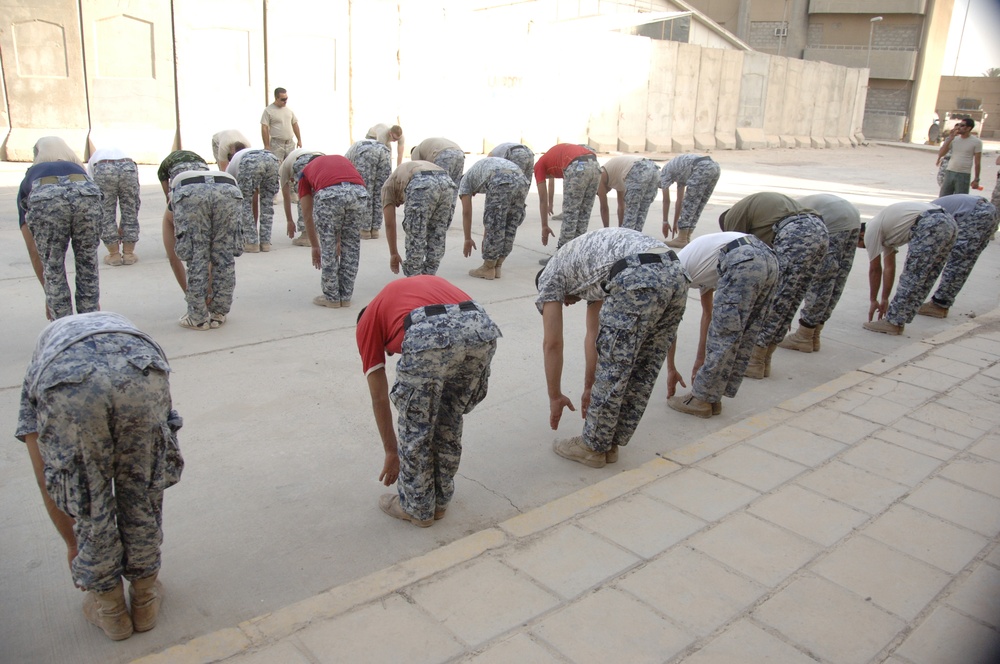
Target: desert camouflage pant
{"points": [[800, 241], [641, 185], [504, 213], [828, 283], [931, 240], [108, 442], [258, 172], [580, 181], [748, 275], [338, 212], [442, 374], [524, 158], [206, 223], [453, 161], [60, 215], [974, 231], [638, 323], [374, 163], [697, 191], [281, 148], [297, 167], [119, 182], [430, 206]]}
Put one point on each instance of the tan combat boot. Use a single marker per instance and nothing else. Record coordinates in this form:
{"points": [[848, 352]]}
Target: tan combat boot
{"points": [[682, 239], [801, 340], [690, 404], [128, 254], [488, 271], [932, 309], [755, 368], [146, 596], [767, 359], [108, 611], [114, 256], [499, 263], [816, 331]]}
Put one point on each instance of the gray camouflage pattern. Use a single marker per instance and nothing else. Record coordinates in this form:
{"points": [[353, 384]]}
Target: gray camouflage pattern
{"points": [[59, 216], [206, 223], [580, 182], [974, 231], [107, 436], [641, 184], [119, 182], [429, 208], [442, 374], [828, 283], [699, 179], [931, 239], [995, 196], [258, 170], [942, 168], [339, 212], [300, 164], [374, 162], [637, 325], [504, 213], [800, 244], [519, 154], [748, 276]]}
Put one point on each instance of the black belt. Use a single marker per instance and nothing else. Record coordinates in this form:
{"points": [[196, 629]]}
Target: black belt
{"points": [[54, 179], [738, 242], [584, 157], [438, 309], [201, 179], [644, 259]]}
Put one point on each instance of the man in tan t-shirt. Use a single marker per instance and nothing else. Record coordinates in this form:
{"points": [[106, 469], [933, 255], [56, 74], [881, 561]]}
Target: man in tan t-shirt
{"points": [[429, 195], [636, 180], [279, 127], [387, 135]]}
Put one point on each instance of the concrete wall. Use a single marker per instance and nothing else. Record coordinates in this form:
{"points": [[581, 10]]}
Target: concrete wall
{"points": [[353, 64], [901, 65], [867, 6], [984, 88]]}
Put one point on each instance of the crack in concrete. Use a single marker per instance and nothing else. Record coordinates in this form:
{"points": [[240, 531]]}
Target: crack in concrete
{"points": [[498, 495]]}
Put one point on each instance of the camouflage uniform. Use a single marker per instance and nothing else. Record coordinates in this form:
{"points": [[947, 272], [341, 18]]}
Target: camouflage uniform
{"points": [[442, 375], [96, 393], [338, 213], [748, 274], [995, 196], [931, 239], [974, 231], [843, 225], [65, 210], [699, 174], [258, 171], [119, 182], [800, 241], [581, 178], [430, 206], [178, 162], [506, 192], [453, 161], [206, 224], [641, 185], [945, 160], [300, 163], [374, 162], [519, 154], [642, 307]]}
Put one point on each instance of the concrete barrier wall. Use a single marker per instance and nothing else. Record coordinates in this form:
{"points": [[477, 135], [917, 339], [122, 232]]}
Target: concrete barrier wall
{"points": [[353, 64]]}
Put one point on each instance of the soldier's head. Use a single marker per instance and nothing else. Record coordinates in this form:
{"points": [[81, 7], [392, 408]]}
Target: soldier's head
{"points": [[280, 96], [236, 147], [395, 132], [53, 148], [861, 238], [722, 220]]}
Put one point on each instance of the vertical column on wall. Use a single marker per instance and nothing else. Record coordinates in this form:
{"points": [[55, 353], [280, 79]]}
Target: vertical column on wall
{"points": [[375, 64], [44, 76], [130, 77], [660, 103], [752, 101], [821, 81], [707, 104], [306, 53], [849, 98], [859, 105], [497, 82], [834, 107], [791, 117], [685, 97], [776, 133], [220, 70], [729, 99], [604, 108], [633, 95]]}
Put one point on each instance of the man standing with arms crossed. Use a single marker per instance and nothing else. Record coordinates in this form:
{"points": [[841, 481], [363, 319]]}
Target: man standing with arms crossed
{"points": [[279, 127]]}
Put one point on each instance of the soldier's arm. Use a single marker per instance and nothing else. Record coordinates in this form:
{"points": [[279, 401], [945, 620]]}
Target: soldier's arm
{"points": [[62, 521], [378, 387]]}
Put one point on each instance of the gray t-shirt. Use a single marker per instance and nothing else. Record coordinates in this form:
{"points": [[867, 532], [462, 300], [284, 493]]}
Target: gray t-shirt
{"points": [[838, 214]]}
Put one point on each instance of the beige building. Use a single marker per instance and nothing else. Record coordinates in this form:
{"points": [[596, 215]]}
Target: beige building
{"points": [[907, 42]]}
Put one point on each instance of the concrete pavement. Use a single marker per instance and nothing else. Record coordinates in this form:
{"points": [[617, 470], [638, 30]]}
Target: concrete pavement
{"points": [[857, 522], [278, 500]]}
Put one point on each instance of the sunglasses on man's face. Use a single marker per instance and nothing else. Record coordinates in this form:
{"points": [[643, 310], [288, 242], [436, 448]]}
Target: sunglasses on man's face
{"points": [[282, 98]]}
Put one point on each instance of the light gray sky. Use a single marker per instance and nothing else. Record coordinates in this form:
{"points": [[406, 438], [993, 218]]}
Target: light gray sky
{"points": [[972, 52]]}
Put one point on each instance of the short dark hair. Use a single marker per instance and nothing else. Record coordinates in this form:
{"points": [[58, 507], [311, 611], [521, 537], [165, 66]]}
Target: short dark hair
{"points": [[361, 313], [969, 122], [863, 227], [279, 91], [236, 147], [722, 220]]}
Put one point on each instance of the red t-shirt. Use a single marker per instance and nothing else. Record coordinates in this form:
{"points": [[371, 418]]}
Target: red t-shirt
{"points": [[556, 159], [380, 329], [326, 171]]}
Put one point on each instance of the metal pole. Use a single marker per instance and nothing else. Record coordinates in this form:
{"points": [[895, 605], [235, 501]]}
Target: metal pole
{"points": [[871, 34]]}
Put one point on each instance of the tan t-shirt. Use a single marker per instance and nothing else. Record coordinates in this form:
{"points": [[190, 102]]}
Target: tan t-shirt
{"points": [[380, 133], [963, 151], [429, 148], [617, 168], [279, 122], [394, 189], [285, 170], [223, 141], [890, 229]]}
